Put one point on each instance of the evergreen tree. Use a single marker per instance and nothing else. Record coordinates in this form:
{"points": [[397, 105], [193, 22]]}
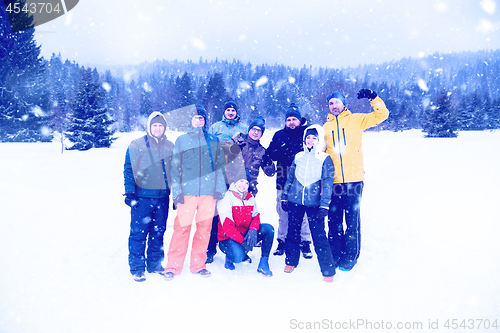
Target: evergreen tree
{"points": [[24, 97], [440, 119], [216, 97], [185, 90], [90, 124]]}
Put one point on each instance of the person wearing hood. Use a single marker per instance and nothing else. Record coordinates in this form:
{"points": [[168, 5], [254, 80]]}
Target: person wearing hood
{"points": [[284, 145], [147, 188], [197, 177], [308, 190], [225, 129], [343, 135], [240, 228], [230, 123]]}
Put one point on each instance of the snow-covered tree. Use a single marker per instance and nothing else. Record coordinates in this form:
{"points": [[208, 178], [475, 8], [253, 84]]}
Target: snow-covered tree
{"points": [[24, 97], [90, 123], [440, 119]]}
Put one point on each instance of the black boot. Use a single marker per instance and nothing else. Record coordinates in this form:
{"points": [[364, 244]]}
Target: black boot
{"points": [[280, 250], [306, 250]]}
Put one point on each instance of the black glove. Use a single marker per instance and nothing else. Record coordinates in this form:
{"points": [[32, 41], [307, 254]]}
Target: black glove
{"points": [[218, 196], [322, 213], [367, 93], [250, 240], [284, 205], [131, 200]]}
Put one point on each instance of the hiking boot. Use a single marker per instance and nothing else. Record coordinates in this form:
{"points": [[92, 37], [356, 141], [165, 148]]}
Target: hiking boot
{"points": [[229, 264], [210, 258], [204, 273], [280, 250], [328, 279], [139, 277], [264, 267], [289, 268], [247, 259], [168, 276], [306, 250], [160, 271]]}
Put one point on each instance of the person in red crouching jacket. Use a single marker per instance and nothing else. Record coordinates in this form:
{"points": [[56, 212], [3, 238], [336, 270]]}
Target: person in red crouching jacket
{"points": [[239, 225]]}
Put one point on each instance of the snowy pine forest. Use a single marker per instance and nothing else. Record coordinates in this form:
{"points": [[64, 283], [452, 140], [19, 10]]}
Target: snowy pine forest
{"points": [[441, 94]]}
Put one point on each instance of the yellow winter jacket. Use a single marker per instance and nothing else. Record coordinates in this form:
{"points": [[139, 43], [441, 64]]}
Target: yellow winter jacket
{"points": [[343, 136]]}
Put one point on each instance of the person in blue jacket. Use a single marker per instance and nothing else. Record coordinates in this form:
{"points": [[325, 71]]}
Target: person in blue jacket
{"points": [[308, 190], [146, 172]]}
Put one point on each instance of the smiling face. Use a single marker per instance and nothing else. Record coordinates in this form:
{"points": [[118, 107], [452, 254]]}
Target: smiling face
{"points": [[336, 106], [230, 113], [311, 140], [242, 185], [157, 130], [255, 133]]}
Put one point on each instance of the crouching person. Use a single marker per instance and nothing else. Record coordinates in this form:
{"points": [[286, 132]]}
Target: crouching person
{"points": [[239, 225], [308, 190], [146, 169]]}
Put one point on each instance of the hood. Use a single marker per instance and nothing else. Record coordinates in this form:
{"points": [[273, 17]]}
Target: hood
{"points": [[243, 196], [321, 146], [192, 113], [148, 125]]}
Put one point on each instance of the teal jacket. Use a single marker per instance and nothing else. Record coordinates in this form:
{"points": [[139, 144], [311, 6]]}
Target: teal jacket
{"points": [[198, 164], [225, 129]]}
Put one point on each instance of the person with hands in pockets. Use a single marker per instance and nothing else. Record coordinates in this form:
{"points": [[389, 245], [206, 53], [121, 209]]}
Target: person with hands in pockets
{"points": [[146, 170], [308, 191], [343, 135], [239, 225]]}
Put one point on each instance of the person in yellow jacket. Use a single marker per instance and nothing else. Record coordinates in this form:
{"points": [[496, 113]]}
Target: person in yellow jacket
{"points": [[343, 134]]}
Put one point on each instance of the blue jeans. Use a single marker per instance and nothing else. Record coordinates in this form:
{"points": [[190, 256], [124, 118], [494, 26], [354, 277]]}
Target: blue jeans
{"points": [[235, 252], [148, 223], [321, 246], [346, 246]]}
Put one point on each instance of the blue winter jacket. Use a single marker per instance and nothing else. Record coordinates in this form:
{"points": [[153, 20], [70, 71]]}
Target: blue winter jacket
{"points": [[310, 179], [143, 169], [198, 164], [226, 128]]}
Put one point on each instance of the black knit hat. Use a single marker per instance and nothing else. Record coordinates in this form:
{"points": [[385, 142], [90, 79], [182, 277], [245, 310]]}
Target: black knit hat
{"points": [[243, 174], [259, 122], [231, 103], [293, 111], [158, 119], [311, 131]]}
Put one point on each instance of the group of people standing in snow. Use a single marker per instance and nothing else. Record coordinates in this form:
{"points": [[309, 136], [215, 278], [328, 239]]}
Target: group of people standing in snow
{"points": [[211, 174]]}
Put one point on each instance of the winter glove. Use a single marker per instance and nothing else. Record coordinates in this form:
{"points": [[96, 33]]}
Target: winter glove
{"points": [[131, 200], [367, 93], [284, 205], [218, 196], [322, 213], [250, 240]]}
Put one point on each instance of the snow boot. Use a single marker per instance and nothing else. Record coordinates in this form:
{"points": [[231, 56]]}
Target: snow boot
{"points": [[204, 273], [289, 268], [328, 279], [306, 250], [168, 276], [210, 258], [264, 267], [139, 277], [229, 264], [280, 250]]}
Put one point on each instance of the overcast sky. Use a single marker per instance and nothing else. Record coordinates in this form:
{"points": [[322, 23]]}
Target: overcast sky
{"points": [[295, 32]]}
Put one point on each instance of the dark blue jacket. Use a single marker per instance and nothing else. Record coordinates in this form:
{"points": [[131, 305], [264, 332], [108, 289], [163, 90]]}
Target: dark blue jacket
{"points": [[282, 149]]}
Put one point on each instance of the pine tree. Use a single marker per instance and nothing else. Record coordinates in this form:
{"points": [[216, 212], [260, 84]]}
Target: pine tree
{"points": [[90, 124], [24, 97], [440, 119]]}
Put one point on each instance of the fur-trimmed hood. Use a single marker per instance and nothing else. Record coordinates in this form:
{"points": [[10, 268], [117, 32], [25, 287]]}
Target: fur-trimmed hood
{"points": [[321, 146], [148, 126]]}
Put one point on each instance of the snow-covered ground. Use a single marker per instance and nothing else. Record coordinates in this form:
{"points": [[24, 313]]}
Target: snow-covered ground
{"points": [[430, 248]]}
